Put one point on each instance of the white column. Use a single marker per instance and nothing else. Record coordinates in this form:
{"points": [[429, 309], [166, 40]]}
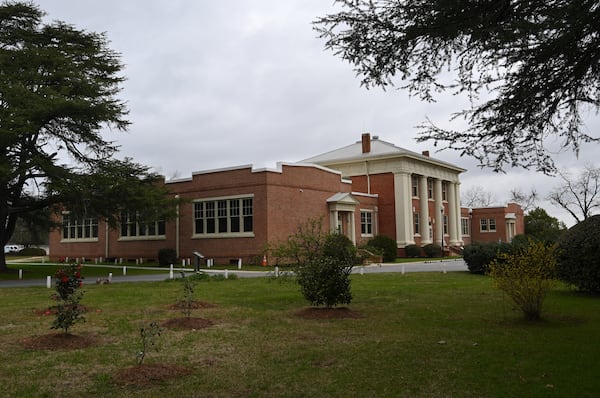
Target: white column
{"points": [[459, 214], [453, 217], [333, 221], [424, 211], [437, 212], [403, 204], [352, 226]]}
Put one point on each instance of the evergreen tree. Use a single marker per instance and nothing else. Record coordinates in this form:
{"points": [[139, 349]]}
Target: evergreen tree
{"points": [[537, 60], [58, 90]]}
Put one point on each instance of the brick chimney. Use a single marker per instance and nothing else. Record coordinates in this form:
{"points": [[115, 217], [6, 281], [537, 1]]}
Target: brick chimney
{"points": [[425, 153], [366, 143]]}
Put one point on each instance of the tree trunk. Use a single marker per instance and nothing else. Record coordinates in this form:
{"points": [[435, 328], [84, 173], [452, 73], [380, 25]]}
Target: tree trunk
{"points": [[3, 267]]}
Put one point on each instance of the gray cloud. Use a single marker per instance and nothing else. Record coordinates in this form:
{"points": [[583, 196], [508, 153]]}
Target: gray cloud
{"points": [[217, 84]]}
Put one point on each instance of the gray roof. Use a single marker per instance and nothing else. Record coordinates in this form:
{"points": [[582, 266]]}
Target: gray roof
{"points": [[379, 149]]}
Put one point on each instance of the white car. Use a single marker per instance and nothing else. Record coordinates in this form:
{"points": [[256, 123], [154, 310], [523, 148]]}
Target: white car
{"points": [[12, 248]]}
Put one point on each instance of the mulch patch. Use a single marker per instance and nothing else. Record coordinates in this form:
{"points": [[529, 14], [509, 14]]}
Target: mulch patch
{"points": [[187, 323], [327, 313], [194, 305], [149, 374], [59, 341]]}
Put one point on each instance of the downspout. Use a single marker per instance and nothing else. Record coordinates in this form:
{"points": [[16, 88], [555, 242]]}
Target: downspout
{"points": [[106, 244], [368, 177], [177, 227]]}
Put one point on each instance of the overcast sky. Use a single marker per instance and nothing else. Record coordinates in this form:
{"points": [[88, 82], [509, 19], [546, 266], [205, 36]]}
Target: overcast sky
{"points": [[214, 84]]}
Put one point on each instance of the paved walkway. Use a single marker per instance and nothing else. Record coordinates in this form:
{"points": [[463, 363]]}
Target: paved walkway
{"points": [[450, 265]]}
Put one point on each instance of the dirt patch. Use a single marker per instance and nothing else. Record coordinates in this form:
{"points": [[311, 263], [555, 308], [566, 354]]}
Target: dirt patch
{"points": [[327, 313], [194, 305], [149, 374], [59, 341], [187, 323]]}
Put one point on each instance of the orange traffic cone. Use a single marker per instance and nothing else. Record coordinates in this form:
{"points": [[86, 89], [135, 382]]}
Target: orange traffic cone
{"points": [[264, 261]]}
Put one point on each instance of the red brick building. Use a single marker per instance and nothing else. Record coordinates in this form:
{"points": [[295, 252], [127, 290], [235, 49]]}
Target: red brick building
{"points": [[367, 188], [228, 214]]}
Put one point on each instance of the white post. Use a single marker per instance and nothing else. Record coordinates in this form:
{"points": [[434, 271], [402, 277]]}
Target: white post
{"points": [[403, 270], [183, 262], [124, 270], [110, 276], [116, 261], [48, 282], [96, 260], [67, 260], [121, 260], [171, 272], [362, 270], [239, 263], [276, 272], [226, 274], [443, 268], [20, 274]]}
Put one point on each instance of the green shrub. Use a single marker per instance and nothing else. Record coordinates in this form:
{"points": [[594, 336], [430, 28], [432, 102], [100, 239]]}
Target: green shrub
{"points": [[526, 275], [579, 255], [167, 256], [325, 281], [412, 251], [478, 256], [32, 251], [432, 250], [340, 248], [386, 244]]}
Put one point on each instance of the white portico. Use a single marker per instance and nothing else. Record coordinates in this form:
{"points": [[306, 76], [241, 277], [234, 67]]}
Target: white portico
{"points": [[423, 193]]}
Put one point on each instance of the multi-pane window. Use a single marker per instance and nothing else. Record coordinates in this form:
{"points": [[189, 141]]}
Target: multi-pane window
{"points": [[366, 223], [132, 226], [415, 186], [78, 229], [417, 222], [223, 216], [488, 225], [444, 190], [429, 189], [445, 224], [464, 223], [483, 225]]}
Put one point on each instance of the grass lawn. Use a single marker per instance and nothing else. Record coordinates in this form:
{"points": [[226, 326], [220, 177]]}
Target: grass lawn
{"points": [[39, 270], [418, 335]]}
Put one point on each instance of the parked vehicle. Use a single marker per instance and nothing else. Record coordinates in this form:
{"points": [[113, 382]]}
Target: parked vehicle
{"points": [[12, 248]]}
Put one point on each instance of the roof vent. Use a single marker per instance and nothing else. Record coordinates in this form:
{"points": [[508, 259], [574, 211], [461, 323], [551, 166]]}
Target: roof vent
{"points": [[425, 153]]}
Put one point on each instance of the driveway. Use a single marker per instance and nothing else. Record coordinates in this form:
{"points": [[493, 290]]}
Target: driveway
{"points": [[450, 265]]}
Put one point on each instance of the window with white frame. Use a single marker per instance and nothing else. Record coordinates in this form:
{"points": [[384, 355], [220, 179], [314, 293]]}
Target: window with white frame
{"points": [[417, 222], [135, 226], [230, 216], [444, 190], [415, 186], [445, 224], [464, 223], [488, 225], [483, 225], [79, 229], [429, 189], [366, 223]]}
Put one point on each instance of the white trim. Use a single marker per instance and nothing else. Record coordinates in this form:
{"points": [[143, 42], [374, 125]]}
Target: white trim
{"points": [[211, 198]]}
